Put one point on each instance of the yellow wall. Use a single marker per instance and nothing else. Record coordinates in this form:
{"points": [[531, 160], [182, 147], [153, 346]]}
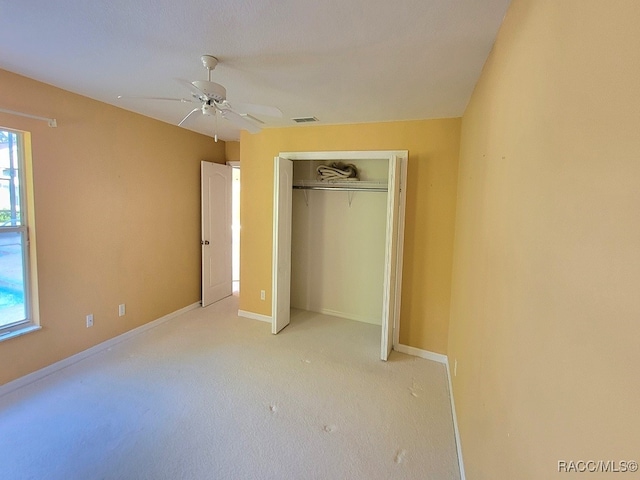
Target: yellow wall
{"points": [[431, 194], [545, 316], [117, 207], [232, 151]]}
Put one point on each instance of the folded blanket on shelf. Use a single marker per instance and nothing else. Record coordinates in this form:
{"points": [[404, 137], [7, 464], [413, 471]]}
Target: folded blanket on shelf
{"points": [[337, 172]]}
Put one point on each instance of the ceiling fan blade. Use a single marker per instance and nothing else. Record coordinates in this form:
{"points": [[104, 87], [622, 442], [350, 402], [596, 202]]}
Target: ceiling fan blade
{"points": [[188, 115], [138, 97], [255, 109], [239, 121]]}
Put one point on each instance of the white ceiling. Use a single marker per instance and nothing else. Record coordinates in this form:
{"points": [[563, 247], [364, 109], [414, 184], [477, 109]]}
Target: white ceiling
{"points": [[343, 61]]}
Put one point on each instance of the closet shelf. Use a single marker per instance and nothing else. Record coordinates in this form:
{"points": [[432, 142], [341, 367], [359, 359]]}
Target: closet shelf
{"points": [[348, 186]]}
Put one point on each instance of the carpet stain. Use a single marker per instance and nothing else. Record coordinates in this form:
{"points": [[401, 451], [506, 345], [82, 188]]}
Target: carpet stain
{"points": [[273, 408], [415, 389], [329, 428], [400, 454], [305, 360]]}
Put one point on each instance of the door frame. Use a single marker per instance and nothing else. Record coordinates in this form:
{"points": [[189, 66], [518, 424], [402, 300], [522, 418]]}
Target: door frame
{"points": [[402, 157], [235, 165], [282, 194]]}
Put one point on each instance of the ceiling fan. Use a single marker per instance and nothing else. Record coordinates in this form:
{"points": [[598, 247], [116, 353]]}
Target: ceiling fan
{"points": [[212, 99]]}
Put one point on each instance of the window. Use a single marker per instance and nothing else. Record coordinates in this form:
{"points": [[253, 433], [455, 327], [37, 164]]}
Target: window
{"points": [[16, 309]]}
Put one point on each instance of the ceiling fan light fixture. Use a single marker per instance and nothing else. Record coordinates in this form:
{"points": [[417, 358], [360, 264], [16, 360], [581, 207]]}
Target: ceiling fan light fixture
{"points": [[208, 109], [212, 99]]}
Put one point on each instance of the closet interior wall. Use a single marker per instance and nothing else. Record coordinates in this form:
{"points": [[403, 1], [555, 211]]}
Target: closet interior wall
{"points": [[338, 245]]}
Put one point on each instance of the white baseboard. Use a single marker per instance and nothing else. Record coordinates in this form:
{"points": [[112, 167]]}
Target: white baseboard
{"points": [[54, 367], [255, 316], [438, 357], [417, 352], [340, 314], [357, 318], [455, 424]]}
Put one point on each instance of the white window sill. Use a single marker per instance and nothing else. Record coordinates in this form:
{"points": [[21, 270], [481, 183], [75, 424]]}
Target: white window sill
{"points": [[18, 332]]}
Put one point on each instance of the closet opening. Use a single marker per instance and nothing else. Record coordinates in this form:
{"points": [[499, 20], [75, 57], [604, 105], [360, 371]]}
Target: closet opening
{"points": [[339, 240]]}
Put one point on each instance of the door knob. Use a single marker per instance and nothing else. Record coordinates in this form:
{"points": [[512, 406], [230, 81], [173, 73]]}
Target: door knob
{"points": [[205, 242]]}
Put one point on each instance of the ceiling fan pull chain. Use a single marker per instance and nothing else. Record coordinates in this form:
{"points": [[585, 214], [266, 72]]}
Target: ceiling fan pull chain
{"points": [[215, 126]]}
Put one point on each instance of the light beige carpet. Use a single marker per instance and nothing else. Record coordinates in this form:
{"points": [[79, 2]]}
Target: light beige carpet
{"points": [[209, 395]]}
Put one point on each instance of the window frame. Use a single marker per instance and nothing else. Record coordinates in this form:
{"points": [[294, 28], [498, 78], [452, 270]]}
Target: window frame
{"points": [[25, 228]]}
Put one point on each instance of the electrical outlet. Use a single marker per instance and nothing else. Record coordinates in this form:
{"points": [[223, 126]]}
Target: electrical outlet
{"points": [[455, 367], [90, 320], [262, 295], [121, 310]]}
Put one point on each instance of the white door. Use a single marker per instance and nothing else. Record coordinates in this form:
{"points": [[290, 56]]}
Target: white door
{"points": [[390, 289], [282, 205], [216, 232]]}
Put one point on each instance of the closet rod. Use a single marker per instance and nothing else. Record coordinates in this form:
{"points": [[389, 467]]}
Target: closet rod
{"points": [[342, 189], [50, 121]]}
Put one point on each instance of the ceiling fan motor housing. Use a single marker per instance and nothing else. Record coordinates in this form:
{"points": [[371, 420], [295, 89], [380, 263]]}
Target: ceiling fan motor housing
{"points": [[213, 91]]}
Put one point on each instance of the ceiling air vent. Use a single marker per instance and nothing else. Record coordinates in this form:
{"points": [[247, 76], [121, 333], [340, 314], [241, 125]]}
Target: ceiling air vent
{"points": [[305, 119]]}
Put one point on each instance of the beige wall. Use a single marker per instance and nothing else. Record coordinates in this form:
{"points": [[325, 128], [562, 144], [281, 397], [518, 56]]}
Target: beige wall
{"points": [[232, 151], [545, 316], [117, 216], [432, 175]]}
